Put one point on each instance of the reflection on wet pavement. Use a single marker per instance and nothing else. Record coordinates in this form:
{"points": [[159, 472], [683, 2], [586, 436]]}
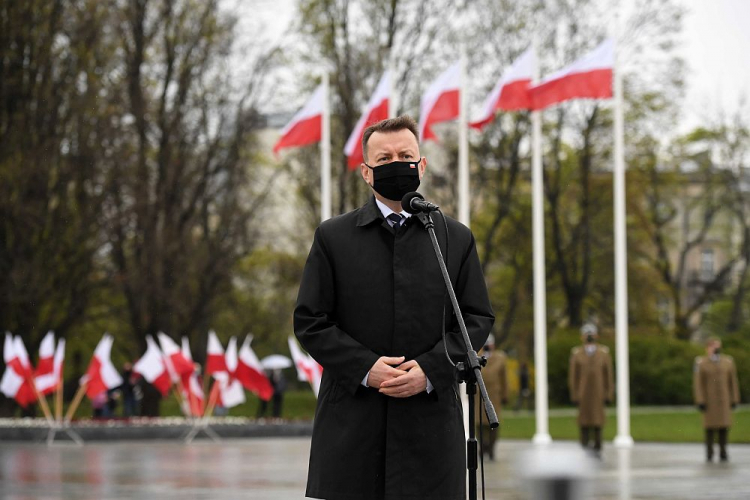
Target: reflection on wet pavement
{"points": [[276, 468]]}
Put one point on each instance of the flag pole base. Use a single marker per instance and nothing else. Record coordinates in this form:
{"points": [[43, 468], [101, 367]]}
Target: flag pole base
{"points": [[623, 441], [541, 439], [201, 425], [58, 427]]}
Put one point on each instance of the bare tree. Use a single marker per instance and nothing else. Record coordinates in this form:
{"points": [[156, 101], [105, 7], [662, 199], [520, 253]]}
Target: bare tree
{"points": [[182, 196]]}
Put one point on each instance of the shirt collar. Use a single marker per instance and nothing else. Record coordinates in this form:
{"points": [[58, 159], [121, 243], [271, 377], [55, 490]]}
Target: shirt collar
{"points": [[386, 211], [373, 211]]}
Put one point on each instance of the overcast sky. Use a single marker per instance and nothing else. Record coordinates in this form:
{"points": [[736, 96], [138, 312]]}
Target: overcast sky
{"points": [[716, 49]]}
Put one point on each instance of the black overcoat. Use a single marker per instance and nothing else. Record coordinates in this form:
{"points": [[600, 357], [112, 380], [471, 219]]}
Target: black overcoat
{"points": [[369, 291]]}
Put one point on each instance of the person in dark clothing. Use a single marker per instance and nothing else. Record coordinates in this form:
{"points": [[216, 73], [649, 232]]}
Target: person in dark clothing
{"points": [[372, 308], [127, 390], [278, 382], [524, 391]]}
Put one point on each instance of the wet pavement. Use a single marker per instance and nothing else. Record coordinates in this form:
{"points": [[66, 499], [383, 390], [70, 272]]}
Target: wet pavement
{"points": [[276, 468]]}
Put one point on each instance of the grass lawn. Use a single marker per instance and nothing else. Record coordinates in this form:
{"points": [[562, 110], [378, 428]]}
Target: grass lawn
{"points": [[670, 425]]}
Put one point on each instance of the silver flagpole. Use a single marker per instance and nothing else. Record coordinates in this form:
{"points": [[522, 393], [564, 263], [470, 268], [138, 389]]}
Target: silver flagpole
{"points": [[325, 153], [623, 438], [541, 437]]}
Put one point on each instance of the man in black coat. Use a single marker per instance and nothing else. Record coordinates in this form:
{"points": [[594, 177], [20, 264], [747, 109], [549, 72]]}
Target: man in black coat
{"points": [[371, 309]]}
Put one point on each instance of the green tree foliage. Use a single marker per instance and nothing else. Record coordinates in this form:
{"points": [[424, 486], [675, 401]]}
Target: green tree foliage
{"points": [[128, 186]]}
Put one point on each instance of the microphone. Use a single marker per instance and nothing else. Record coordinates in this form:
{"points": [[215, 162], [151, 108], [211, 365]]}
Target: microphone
{"points": [[414, 203]]}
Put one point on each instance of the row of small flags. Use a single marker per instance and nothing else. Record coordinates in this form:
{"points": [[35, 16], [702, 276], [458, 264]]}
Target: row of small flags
{"points": [[588, 77], [165, 365]]}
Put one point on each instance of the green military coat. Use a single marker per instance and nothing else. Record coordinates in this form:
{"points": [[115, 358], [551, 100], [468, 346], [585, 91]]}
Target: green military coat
{"points": [[591, 383], [496, 381], [715, 386]]}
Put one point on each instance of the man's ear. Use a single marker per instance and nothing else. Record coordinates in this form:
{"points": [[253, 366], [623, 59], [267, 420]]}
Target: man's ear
{"points": [[366, 173], [421, 167]]}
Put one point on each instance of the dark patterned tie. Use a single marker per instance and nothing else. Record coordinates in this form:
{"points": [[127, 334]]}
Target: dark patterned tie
{"points": [[395, 220]]}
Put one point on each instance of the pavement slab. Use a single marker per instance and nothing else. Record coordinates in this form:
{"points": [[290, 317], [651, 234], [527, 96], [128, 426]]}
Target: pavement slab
{"points": [[276, 468]]}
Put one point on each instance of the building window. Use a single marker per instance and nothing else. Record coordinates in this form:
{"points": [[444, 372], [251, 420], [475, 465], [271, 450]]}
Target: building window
{"points": [[707, 264]]}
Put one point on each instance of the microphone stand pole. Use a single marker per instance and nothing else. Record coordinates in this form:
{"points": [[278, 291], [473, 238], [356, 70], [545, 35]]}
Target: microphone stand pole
{"points": [[469, 371]]}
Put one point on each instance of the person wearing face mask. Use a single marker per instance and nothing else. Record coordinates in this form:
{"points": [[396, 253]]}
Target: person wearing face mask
{"points": [[716, 392], [591, 385], [372, 309]]}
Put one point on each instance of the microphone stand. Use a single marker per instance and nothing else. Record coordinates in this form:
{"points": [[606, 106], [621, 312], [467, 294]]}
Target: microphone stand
{"points": [[469, 371]]}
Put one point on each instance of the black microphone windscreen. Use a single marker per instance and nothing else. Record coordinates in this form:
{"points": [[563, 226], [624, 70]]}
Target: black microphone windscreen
{"points": [[406, 202]]}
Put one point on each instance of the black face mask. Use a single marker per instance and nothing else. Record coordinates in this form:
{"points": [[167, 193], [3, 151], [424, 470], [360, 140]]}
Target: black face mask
{"points": [[590, 339], [393, 180], [717, 351]]}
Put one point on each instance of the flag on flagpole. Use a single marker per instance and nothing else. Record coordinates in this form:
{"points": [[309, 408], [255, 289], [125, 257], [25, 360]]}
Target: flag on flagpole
{"points": [[215, 360], [15, 382], [151, 367], [177, 364], [375, 111], [588, 77], [231, 392], [306, 126], [307, 368], [47, 383], [46, 361], [440, 103], [191, 387], [101, 374], [511, 92], [250, 372]]}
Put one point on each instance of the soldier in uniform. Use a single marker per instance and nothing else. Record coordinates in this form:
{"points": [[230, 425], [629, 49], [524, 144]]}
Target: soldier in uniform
{"points": [[716, 393], [497, 387], [591, 385]]}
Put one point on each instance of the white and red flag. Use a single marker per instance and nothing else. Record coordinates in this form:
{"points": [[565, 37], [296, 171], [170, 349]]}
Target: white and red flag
{"points": [[440, 103], [307, 368], [46, 361], [588, 77], [231, 392], [191, 387], [151, 367], [101, 374], [49, 382], [16, 381], [376, 110], [250, 372], [306, 126], [511, 92], [177, 364], [215, 360]]}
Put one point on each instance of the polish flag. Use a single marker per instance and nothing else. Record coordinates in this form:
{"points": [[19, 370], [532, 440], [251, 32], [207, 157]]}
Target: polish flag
{"points": [[376, 110], [177, 364], [101, 374], [440, 102], [215, 361], [588, 77], [306, 126], [192, 390], [250, 372], [151, 367], [511, 92], [46, 355], [307, 368], [231, 392], [16, 379], [48, 383]]}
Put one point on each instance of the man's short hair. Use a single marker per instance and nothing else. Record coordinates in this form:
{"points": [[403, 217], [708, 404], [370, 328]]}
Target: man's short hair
{"points": [[711, 340], [390, 125]]}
